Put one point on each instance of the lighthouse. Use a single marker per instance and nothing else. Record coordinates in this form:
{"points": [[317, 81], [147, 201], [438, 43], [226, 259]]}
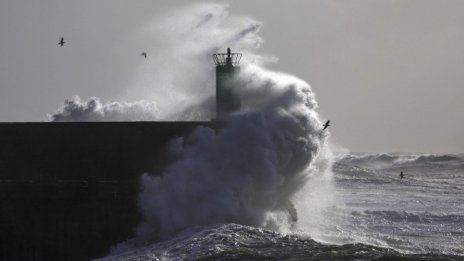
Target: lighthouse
{"points": [[227, 70]]}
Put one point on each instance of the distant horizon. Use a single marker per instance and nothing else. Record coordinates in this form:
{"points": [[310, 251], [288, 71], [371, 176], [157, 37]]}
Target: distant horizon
{"points": [[402, 153]]}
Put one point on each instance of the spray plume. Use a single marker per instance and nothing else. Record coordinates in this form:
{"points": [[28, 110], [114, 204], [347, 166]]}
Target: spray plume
{"points": [[251, 172], [94, 110], [180, 67]]}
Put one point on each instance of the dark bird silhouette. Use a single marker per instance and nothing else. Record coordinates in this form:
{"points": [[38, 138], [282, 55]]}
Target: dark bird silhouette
{"points": [[326, 125], [61, 42], [144, 54]]}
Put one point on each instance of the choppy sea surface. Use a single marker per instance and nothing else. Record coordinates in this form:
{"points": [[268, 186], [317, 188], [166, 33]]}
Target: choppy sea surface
{"points": [[379, 216]]}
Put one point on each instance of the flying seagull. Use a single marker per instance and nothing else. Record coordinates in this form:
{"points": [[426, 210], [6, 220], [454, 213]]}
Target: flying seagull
{"points": [[144, 54], [326, 125], [61, 42]]}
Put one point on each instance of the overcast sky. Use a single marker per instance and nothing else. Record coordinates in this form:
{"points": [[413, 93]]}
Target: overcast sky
{"points": [[388, 74]]}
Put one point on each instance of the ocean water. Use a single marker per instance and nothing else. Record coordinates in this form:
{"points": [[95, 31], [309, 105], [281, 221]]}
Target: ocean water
{"points": [[378, 216], [421, 213]]}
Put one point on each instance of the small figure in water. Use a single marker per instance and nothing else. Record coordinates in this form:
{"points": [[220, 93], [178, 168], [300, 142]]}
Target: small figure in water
{"points": [[401, 175]]}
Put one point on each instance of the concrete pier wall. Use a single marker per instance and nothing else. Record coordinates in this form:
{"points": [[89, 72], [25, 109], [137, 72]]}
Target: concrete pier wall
{"points": [[68, 191]]}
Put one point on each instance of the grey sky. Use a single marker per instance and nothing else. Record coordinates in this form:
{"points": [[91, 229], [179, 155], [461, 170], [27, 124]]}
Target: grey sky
{"points": [[387, 73]]}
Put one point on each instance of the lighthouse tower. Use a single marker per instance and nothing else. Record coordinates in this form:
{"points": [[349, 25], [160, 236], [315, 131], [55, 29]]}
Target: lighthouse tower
{"points": [[227, 70]]}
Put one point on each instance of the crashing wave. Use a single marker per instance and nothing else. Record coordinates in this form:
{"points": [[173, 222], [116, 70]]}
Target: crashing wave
{"points": [[238, 242], [249, 171]]}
